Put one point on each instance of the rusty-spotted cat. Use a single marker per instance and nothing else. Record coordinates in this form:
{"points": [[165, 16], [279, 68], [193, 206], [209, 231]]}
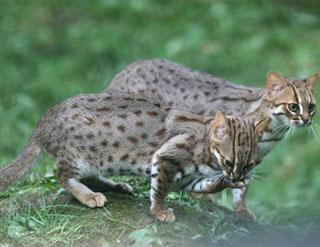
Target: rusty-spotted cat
{"points": [[289, 102], [95, 136]]}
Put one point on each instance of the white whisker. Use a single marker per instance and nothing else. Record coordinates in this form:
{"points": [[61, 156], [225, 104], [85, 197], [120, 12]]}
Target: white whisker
{"points": [[315, 133]]}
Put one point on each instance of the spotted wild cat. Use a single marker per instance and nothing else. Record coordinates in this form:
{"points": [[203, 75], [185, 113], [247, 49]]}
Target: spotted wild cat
{"points": [[98, 135], [289, 102]]}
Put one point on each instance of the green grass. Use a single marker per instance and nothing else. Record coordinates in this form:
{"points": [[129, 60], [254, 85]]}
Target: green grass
{"points": [[51, 50]]}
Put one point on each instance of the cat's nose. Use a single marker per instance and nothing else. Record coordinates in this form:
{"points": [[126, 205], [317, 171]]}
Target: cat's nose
{"points": [[305, 120], [236, 176]]}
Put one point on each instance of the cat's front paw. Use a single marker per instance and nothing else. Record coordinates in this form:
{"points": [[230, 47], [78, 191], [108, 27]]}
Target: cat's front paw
{"points": [[95, 200], [165, 215], [247, 214]]}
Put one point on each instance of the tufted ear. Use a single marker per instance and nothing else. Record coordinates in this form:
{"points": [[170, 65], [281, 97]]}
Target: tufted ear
{"points": [[261, 126], [275, 84], [220, 127], [312, 81]]}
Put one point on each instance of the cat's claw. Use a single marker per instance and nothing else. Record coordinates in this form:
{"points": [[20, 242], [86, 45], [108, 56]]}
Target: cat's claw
{"points": [[95, 200], [165, 215]]}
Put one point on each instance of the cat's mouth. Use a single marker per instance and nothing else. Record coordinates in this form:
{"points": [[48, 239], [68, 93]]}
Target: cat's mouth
{"points": [[238, 182]]}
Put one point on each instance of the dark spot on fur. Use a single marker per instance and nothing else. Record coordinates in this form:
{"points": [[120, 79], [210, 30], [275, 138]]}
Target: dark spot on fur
{"points": [[140, 123], [89, 121], [142, 100], [153, 144], [78, 137], [144, 136], [161, 132], [153, 113], [124, 157], [116, 144], [123, 116], [148, 171], [121, 128], [181, 145], [206, 93], [104, 143], [74, 105], [106, 123], [133, 139], [104, 109], [195, 96], [75, 116], [91, 100], [137, 112], [90, 136], [157, 104], [123, 106], [110, 158], [141, 91]]}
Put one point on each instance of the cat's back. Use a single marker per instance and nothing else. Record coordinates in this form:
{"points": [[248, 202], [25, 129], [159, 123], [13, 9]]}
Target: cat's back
{"points": [[183, 88], [162, 73]]}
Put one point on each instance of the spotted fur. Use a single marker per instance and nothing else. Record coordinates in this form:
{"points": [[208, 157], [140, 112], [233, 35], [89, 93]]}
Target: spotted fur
{"points": [[191, 152]]}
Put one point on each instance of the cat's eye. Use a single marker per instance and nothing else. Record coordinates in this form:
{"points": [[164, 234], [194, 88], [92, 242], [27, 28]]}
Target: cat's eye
{"points": [[228, 164], [293, 107], [311, 107]]}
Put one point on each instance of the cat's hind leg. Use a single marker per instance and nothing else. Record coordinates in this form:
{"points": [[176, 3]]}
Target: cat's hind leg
{"points": [[106, 184], [78, 189]]}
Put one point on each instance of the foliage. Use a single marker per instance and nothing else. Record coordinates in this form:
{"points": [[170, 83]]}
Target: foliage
{"points": [[51, 50]]}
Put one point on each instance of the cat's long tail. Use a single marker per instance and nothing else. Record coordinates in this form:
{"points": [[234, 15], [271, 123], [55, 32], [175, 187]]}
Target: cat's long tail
{"points": [[20, 165]]}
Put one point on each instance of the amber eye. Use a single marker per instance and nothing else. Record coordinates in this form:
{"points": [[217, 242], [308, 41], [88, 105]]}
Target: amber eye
{"points": [[228, 164], [293, 107], [312, 107]]}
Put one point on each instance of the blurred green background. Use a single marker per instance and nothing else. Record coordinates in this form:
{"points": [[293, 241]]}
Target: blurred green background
{"points": [[50, 50]]}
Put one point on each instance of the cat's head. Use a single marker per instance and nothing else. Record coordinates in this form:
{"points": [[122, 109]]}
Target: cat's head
{"points": [[234, 142], [293, 102]]}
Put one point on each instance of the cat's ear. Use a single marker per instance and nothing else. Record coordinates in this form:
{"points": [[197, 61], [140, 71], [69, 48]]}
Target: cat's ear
{"points": [[260, 126], [220, 127], [312, 81], [275, 84]]}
